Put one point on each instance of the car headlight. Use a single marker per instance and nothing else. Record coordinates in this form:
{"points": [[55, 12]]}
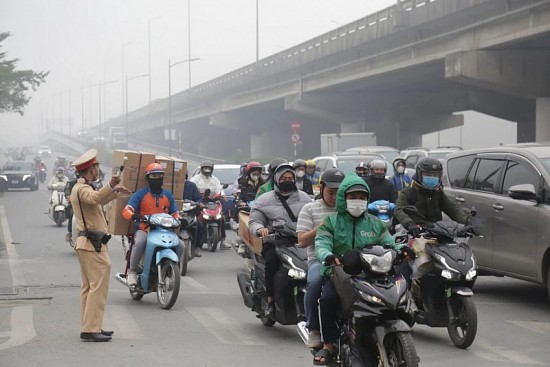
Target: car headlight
{"points": [[4, 177], [379, 264], [25, 177]]}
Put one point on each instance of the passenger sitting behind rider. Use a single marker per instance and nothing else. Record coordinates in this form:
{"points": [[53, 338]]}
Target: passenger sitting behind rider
{"points": [[351, 227], [148, 200], [270, 210]]}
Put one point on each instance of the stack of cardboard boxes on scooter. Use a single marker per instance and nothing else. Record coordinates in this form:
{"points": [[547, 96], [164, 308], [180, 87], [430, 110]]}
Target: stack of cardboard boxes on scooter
{"points": [[133, 178]]}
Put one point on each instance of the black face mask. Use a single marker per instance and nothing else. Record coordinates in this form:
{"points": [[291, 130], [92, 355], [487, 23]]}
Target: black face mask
{"points": [[155, 184], [287, 186]]}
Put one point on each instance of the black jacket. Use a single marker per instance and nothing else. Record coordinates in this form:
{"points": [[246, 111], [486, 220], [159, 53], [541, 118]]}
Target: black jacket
{"points": [[248, 191], [381, 189], [308, 186]]}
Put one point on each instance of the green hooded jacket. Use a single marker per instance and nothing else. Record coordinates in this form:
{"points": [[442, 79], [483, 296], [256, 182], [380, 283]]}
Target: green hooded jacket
{"points": [[341, 232], [266, 187]]}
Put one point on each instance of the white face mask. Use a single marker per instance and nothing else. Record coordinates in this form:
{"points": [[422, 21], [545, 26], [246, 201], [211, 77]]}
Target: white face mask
{"points": [[400, 169], [356, 207], [300, 174]]}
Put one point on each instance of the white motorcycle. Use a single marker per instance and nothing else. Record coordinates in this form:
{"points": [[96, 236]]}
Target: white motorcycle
{"points": [[58, 203]]}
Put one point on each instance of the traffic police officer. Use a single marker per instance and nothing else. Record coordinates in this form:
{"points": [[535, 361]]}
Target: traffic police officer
{"points": [[95, 264]]}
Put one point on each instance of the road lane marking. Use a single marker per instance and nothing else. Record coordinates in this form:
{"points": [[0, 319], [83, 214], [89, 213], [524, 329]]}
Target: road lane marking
{"points": [[498, 353], [13, 258], [22, 328], [534, 326], [230, 331], [121, 321], [194, 284]]}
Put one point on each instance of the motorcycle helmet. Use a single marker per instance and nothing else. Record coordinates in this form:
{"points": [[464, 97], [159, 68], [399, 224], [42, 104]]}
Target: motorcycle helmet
{"points": [[428, 172], [331, 178], [300, 168], [280, 170], [153, 168], [299, 163], [253, 166], [362, 169], [275, 163], [207, 167], [242, 168], [378, 165], [399, 161]]}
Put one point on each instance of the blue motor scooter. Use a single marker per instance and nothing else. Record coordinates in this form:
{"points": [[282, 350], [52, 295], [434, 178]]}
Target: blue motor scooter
{"points": [[161, 272], [383, 209]]}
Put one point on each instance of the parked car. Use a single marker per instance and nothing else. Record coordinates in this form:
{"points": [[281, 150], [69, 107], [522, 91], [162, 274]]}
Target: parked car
{"points": [[387, 152], [347, 161], [412, 156], [44, 151], [509, 186], [18, 174]]}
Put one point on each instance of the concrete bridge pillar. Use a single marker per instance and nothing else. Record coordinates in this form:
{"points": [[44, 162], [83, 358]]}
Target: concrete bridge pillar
{"points": [[542, 127], [271, 144], [526, 131]]}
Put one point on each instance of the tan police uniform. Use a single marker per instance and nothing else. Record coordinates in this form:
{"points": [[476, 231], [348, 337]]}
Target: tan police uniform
{"points": [[95, 267]]}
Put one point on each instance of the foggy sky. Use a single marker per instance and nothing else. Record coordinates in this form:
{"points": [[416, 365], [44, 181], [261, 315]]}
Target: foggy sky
{"points": [[81, 43]]}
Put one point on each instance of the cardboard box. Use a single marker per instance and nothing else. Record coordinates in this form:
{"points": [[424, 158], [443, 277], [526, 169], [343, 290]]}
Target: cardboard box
{"points": [[255, 243], [133, 176], [117, 224], [174, 174]]}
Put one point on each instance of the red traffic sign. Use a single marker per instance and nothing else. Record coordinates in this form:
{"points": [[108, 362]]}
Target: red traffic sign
{"points": [[295, 126]]}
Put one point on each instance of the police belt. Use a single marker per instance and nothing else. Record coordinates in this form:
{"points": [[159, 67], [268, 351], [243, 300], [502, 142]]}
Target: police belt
{"points": [[81, 233]]}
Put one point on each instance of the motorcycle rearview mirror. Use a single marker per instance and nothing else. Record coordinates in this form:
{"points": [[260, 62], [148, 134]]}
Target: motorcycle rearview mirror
{"points": [[225, 186]]}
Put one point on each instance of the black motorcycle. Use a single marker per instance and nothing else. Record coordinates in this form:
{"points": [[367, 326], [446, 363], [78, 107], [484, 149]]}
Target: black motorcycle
{"points": [[289, 282], [443, 293], [373, 304]]}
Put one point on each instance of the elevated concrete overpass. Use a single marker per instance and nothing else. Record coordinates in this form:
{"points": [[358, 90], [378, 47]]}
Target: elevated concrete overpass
{"points": [[401, 72]]}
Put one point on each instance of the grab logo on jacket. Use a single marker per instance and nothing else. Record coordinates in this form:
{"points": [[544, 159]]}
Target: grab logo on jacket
{"points": [[367, 234]]}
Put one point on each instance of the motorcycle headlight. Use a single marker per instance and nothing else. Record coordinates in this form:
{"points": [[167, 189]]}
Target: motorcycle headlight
{"points": [[295, 272], [370, 298], [4, 177], [471, 274], [219, 216], [379, 264], [404, 298], [25, 177], [442, 260], [206, 216], [446, 274]]}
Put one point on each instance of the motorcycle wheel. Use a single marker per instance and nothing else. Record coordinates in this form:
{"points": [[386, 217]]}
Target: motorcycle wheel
{"points": [[401, 350], [167, 293], [185, 258], [212, 238], [463, 329], [59, 220]]}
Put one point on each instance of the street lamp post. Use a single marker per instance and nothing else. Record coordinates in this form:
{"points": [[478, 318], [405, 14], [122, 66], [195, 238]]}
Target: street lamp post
{"points": [[149, 53], [257, 32], [126, 114], [123, 71], [170, 65]]}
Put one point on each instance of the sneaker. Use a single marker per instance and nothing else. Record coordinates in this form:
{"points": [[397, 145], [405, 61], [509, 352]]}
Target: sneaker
{"points": [[314, 339], [68, 237], [270, 310], [132, 279], [224, 246], [242, 249], [198, 252]]}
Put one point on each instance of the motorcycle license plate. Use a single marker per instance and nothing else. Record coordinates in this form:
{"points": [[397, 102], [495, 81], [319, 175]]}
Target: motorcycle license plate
{"points": [[15, 182]]}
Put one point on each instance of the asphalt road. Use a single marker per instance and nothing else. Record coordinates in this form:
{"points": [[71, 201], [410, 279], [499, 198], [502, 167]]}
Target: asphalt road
{"points": [[209, 325]]}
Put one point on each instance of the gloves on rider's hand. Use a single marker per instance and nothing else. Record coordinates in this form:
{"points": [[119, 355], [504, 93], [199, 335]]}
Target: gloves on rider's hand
{"points": [[135, 217], [331, 260], [407, 252], [473, 231], [414, 230]]}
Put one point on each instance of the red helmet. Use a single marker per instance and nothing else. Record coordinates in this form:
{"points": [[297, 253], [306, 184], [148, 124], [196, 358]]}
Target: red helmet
{"points": [[252, 165], [153, 168]]}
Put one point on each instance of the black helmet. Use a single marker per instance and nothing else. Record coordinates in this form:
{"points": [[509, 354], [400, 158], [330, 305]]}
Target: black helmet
{"points": [[276, 162], [428, 164], [332, 178], [362, 169], [299, 163]]}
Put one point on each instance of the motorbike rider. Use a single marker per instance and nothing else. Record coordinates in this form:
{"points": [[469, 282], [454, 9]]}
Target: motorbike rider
{"points": [[302, 183], [279, 206], [206, 180], [362, 170], [351, 227], [58, 177], [427, 195], [310, 219], [380, 187], [191, 192], [152, 199], [400, 178], [311, 172], [268, 186], [251, 181], [39, 163]]}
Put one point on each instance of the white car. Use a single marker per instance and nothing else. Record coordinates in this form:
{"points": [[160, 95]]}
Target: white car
{"points": [[44, 151]]}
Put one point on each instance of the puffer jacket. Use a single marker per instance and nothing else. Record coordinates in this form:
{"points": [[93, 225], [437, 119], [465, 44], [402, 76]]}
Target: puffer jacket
{"points": [[429, 203], [341, 232]]}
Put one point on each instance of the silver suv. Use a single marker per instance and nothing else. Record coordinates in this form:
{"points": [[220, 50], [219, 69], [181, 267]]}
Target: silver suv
{"points": [[413, 155], [509, 188]]}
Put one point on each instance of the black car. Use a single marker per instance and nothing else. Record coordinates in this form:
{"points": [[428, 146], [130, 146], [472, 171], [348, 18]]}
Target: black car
{"points": [[18, 174]]}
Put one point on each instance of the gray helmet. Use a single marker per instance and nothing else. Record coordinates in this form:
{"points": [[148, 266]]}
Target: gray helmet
{"points": [[380, 164], [332, 178], [207, 167], [299, 163], [276, 162]]}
